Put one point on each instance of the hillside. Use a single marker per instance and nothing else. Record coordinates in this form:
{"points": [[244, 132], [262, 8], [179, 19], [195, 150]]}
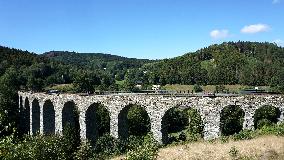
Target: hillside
{"points": [[17, 58], [247, 63], [229, 63]]}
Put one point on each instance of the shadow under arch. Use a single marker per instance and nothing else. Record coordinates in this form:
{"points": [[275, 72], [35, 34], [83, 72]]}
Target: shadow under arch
{"points": [[133, 120], [48, 118], [97, 122], [70, 117], [71, 126], [35, 116], [24, 124], [175, 119], [231, 120], [266, 115]]}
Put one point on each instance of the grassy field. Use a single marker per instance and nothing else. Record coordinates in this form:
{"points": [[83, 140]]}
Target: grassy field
{"points": [[267, 147], [209, 88]]}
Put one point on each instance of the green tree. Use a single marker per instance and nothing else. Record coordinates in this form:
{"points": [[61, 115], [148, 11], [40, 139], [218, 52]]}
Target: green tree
{"points": [[8, 101], [231, 120]]}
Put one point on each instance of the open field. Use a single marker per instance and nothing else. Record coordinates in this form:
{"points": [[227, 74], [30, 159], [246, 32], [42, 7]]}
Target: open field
{"points": [[266, 147], [209, 88]]}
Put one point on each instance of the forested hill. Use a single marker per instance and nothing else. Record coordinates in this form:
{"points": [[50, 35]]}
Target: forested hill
{"points": [[95, 60], [249, 63], [17, 58]]}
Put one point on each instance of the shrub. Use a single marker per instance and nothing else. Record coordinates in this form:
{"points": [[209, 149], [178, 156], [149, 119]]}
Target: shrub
{"points": [[263, 122], [276, 129], [147, 151], [224, 139], [231, 120], [175, 120], [269, 113], [138, 121], [107, 145], [196, 125], [84, 152], [70, 139], [220, 89], [233, 152], [244, 135], [182, 136], [197, 88], [193, 137], [38, 147]]}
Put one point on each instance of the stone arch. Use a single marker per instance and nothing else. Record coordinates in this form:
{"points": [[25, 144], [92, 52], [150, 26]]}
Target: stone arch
{"points": [[174, 119], [132, 125], [48, 118], [97, 122], [231, 119], [35, 116], [70, 117], [267, 112]]}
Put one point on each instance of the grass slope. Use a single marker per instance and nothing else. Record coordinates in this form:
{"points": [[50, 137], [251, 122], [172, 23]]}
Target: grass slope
{"points": [[265, 147]]}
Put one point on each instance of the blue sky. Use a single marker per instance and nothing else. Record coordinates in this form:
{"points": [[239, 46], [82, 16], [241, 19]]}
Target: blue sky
{"points": [[137, 28]]}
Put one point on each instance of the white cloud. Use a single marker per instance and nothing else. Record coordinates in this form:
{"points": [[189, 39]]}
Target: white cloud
{"points": [[219, 34], [279, 42], [255, 28], [275, 1]]}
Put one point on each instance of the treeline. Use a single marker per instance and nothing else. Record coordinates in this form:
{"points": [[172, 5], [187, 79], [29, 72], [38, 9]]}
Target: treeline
{"points": [[246, 63], [115, 66]]}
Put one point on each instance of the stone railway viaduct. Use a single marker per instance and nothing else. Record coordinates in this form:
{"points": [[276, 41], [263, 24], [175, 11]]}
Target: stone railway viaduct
{"points": [[46, 113]]}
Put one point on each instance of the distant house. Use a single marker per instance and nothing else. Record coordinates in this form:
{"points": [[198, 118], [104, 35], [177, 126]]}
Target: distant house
{"points": [[156, 87], [139, 86]]}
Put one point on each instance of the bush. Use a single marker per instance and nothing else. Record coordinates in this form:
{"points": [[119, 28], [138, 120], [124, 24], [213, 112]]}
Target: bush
{"points": [[38, 147], [107, 145], [220, 89], [244, 135], [263, 122], [197, 88], [70, 139], [231, 120], [196, 125], [182, 136], [138, 121], [175, 120], [266, 115], [147, 151], [276, 129], [233, 152], [84, 152]]}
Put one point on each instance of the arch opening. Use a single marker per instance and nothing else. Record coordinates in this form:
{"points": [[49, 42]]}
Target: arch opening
{"points": [[231, 120], [35, 116], [133, 120], [265, 116], [24, 124], [180, 124], [48, 118], [71, 125], [97, 122], [70, 118]]}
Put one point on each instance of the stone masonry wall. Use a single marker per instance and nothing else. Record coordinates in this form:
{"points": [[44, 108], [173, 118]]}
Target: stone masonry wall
{"points": [[155, 105]]}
